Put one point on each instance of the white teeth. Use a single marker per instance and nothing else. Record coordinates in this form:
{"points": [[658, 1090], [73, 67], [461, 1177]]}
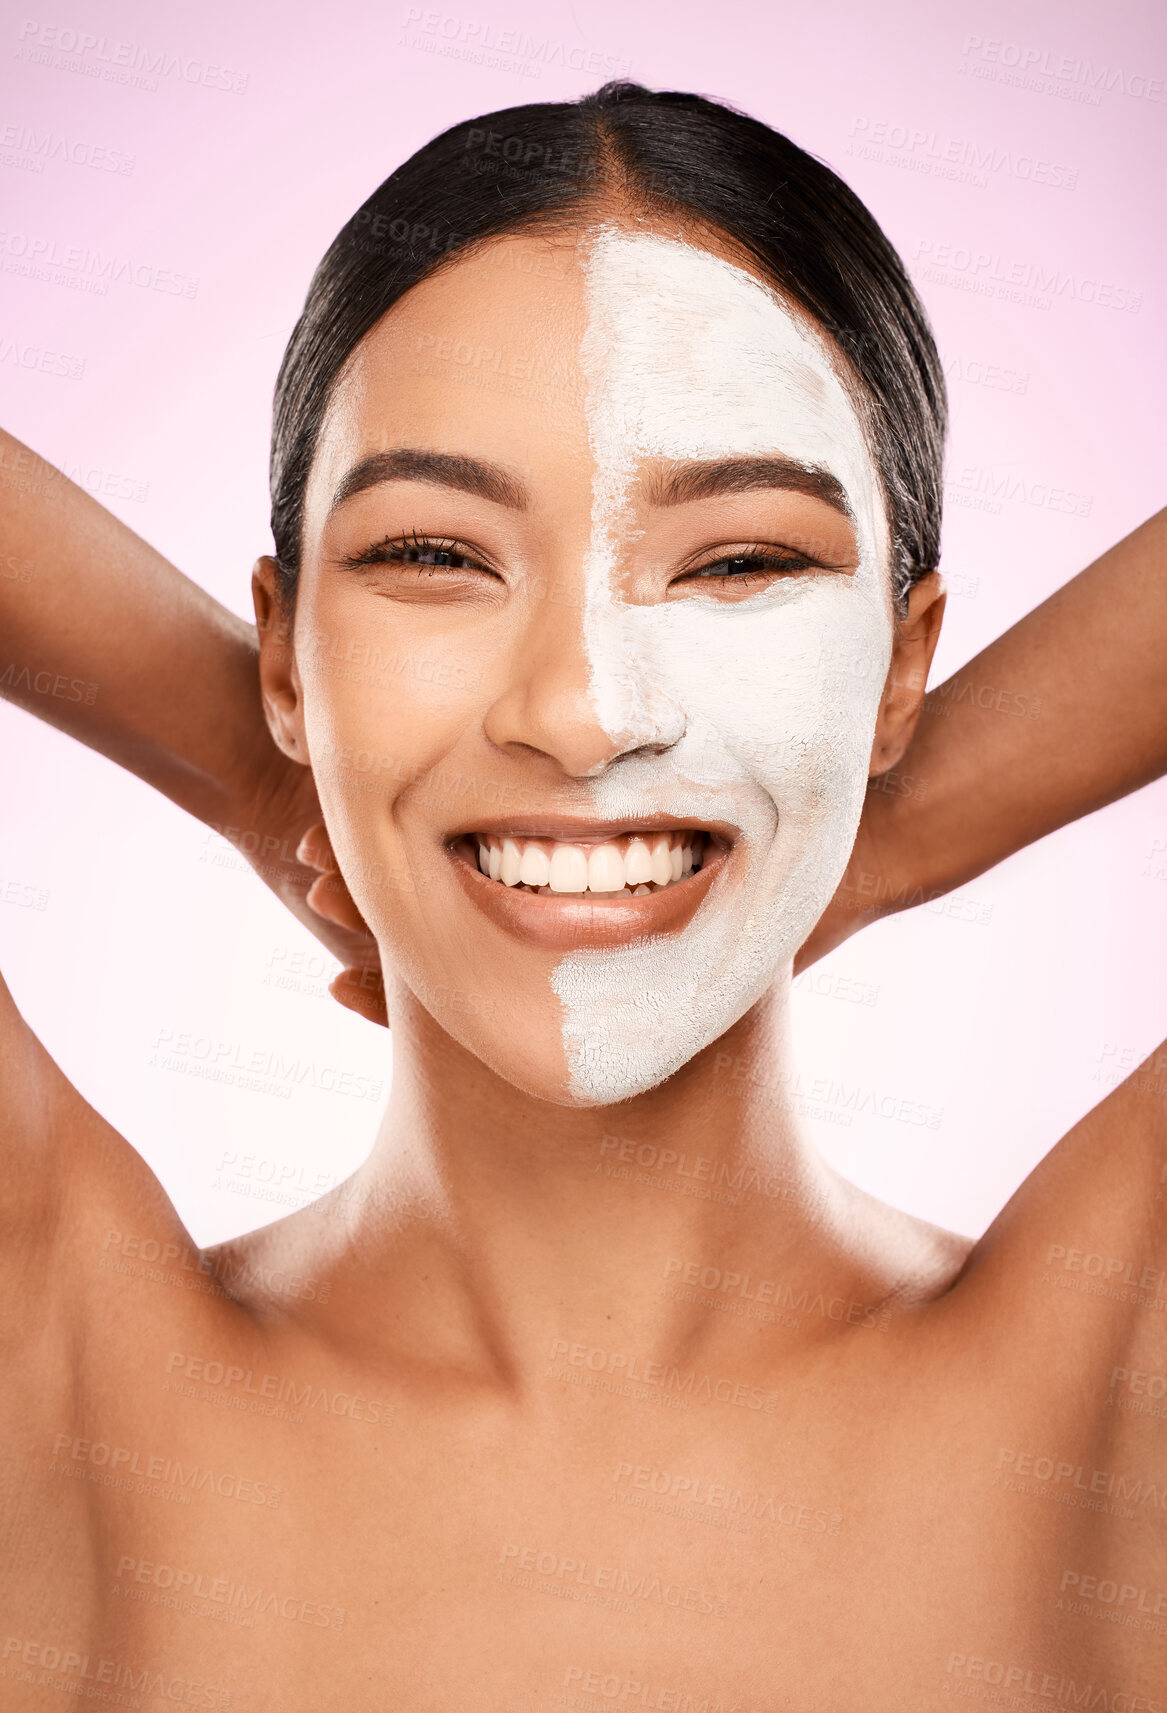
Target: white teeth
{"points": [[662, 868], [569, 869], [605, 869], [508, 870], [634, 864], [637, 864], [534, 868]]}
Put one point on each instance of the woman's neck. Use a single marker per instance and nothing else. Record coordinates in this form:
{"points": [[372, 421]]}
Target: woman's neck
{"points": [[487, 1226]]}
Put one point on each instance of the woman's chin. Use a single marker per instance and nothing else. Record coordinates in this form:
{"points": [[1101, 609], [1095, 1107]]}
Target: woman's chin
{"points": [[535, 1063], [578, 1083], [560, 1084]]}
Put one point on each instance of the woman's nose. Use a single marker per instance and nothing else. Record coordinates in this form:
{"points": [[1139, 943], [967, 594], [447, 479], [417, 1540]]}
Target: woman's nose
{"points": [[583, 705]]}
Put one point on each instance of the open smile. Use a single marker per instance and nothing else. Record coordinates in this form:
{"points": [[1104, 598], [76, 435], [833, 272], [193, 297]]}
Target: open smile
{"points": [[631, 864], [595, 887]]}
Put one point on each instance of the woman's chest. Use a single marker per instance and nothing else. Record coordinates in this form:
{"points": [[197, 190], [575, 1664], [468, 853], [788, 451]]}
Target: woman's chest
{"points": [[286, 1554]]}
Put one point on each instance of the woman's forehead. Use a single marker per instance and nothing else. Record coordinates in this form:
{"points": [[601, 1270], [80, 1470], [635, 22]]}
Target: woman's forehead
{"points": [[609, 334]]}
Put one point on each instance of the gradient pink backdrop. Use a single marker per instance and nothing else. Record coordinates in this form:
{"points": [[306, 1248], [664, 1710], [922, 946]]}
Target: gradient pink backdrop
{"points": [[222, 147]]}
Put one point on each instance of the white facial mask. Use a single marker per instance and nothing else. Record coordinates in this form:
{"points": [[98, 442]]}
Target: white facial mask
{"points": [[768, 702]]}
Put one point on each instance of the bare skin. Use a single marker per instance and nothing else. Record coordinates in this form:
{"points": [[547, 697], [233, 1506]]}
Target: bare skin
{"points": [[553, 1405]]}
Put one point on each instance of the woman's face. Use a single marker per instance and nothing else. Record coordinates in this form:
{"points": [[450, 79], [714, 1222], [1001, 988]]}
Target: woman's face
{"points": [[592, 629]]}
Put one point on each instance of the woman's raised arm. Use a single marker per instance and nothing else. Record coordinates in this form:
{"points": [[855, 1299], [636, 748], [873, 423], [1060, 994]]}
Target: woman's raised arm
{"points": [[103, 637], [1064, 713]]}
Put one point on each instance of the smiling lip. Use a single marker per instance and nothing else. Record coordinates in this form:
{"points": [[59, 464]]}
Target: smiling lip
{"points": [[564, 916]]}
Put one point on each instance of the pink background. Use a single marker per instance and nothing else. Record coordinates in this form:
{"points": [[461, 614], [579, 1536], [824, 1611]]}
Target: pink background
{"points": [[944, 1052]]}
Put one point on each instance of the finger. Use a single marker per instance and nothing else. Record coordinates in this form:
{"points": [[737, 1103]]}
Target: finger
{"points": [[315, 848], [331, 898], [362, 991]]}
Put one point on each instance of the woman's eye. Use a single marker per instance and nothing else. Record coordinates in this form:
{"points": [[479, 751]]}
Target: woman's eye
{"points": [[434, 556], [748, 569], [419, 551]]}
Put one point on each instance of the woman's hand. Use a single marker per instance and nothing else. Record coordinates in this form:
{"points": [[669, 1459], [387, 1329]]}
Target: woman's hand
{"points": [[360, 986], [282, 834]]}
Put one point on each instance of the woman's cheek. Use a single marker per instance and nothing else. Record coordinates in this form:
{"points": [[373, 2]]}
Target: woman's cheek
{"points": [[788, 695], [820, 778], [380, 732]]}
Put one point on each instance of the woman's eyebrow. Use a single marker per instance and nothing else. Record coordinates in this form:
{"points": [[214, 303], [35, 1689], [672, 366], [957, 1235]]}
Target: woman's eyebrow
{"points": [[696, 479], [701, 479], [443, 469]]}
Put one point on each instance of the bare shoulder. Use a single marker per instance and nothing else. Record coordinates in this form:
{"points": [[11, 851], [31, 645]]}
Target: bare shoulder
{"points": [[1094, 1211], [74, 1189], [1069, 1283]]}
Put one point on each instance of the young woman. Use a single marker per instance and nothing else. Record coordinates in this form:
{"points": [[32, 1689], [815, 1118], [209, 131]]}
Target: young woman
{"points": [[620, 425]]}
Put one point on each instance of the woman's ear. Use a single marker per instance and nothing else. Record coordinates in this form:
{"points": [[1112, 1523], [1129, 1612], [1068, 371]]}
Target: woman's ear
{"points": [[916, 636], [279, 678]]}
